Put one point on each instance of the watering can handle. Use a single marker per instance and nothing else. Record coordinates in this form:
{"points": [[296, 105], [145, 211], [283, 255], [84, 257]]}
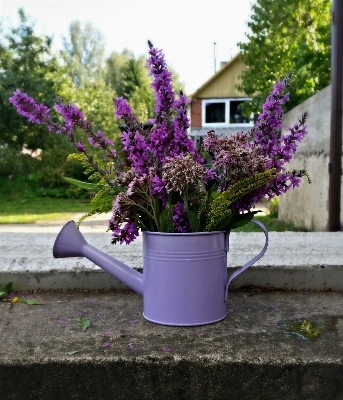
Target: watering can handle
{"points": [[251, 262]]}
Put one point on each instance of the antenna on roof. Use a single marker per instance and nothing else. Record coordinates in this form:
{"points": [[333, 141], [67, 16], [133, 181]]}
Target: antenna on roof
{"points": [[214, 56]]}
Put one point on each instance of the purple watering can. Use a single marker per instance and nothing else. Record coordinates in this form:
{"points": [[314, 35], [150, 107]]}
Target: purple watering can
{"points": [[184, 280]]}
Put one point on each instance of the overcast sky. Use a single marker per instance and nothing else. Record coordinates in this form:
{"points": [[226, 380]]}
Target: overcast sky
{"points": [[185, 30]]}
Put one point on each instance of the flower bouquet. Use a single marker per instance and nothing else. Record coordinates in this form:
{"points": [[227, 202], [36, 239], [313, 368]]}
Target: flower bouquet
{"points": [[166, 185]]}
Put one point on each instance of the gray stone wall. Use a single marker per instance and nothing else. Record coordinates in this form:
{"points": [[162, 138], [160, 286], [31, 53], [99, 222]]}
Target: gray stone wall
{"points": [[307, 205]]}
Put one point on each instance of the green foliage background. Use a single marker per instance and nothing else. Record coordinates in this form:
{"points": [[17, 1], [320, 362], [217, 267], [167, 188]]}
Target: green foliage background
{"points": [[287, 36], [80, 74]]}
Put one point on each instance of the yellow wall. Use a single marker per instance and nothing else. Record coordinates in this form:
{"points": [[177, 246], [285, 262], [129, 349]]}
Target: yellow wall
{"points": [[223, 83]]}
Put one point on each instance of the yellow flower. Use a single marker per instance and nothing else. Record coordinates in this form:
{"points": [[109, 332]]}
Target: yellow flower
{"points": [[15, 300]]}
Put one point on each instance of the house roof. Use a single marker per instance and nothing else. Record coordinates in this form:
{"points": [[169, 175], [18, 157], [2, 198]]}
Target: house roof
{"points": [[219, 75]]}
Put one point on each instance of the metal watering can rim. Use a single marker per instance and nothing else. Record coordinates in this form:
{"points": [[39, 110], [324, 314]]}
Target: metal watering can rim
{"points": [[183, 233]]}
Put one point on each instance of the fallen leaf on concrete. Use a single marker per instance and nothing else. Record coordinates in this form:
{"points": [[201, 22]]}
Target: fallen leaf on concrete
{"points": [[85, 323], [4, 291], [31, 302], [71, 353]]}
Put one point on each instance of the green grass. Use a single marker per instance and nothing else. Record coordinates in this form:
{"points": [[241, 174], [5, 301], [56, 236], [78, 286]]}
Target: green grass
{"points": [[25, 211], [20, 205], [272, 225]]}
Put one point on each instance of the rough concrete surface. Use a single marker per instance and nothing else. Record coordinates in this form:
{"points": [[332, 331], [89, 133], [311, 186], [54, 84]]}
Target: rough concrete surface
{"points": [[249, 355]]}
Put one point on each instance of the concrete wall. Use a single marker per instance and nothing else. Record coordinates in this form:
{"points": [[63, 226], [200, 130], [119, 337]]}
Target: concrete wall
{"points": [[307, 205]]}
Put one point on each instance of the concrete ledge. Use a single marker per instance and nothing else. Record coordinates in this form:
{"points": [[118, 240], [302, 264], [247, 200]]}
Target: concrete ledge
{"points": [[247, 356], [311, 260]]}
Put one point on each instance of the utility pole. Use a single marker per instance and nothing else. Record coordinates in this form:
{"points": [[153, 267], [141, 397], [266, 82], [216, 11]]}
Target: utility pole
{"points": [[335, 164], [214, 56]]}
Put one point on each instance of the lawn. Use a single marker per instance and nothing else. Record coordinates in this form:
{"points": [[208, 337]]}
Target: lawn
{"points": [[25, 211], [20, 204], [272, 225]]}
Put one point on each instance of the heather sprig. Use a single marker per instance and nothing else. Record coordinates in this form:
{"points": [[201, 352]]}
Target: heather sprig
{"points": [[235, 157]]}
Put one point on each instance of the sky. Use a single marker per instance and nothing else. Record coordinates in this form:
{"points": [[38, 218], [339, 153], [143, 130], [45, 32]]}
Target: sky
{"points": [[186, 30]]}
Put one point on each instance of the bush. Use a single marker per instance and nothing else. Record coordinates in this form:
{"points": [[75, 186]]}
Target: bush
{"points": [[273, 207], [14, 163]]}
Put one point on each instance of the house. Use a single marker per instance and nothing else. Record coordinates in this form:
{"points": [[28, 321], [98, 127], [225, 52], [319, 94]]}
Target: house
{"points": [[215, 105]]}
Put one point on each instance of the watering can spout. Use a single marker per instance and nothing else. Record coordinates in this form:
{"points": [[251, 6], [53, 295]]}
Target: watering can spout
{"points": [[71, 243]]}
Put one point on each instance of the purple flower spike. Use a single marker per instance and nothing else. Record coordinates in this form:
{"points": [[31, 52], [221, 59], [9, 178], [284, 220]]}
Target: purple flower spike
{"points": [[70, 113], [162, 82], [27, 106]]}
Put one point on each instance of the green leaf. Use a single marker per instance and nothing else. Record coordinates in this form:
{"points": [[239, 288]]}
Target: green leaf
{"points": [[241, 219], [31, 302], [193, 220], [71, 353], [94, 187], [223, 225], [84, 323], [166, 220], [4, 291]]}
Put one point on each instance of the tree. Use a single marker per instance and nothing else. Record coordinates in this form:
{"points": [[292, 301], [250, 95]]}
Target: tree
{"points": [[26, 63], [287, 36], [114, 69], [130, 79], [84, 56], [85, 53], [136, 88]]}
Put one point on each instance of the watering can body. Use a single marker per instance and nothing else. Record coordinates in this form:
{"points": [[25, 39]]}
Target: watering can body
{"points": [[185, 274]]}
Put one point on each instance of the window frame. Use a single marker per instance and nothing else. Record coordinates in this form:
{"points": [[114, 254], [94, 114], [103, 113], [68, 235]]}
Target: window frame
{"points": [[227, 112]]}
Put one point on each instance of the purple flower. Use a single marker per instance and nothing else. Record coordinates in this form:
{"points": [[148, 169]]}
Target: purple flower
{"points": [[181, 223], [131, 346], [162, 83], [70, 113], [123, 108], [27, 106], [126, 234], [81, 147], [157, 184]]}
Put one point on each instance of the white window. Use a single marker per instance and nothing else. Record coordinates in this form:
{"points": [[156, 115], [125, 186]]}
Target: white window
{"points": [[224, 112]]}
